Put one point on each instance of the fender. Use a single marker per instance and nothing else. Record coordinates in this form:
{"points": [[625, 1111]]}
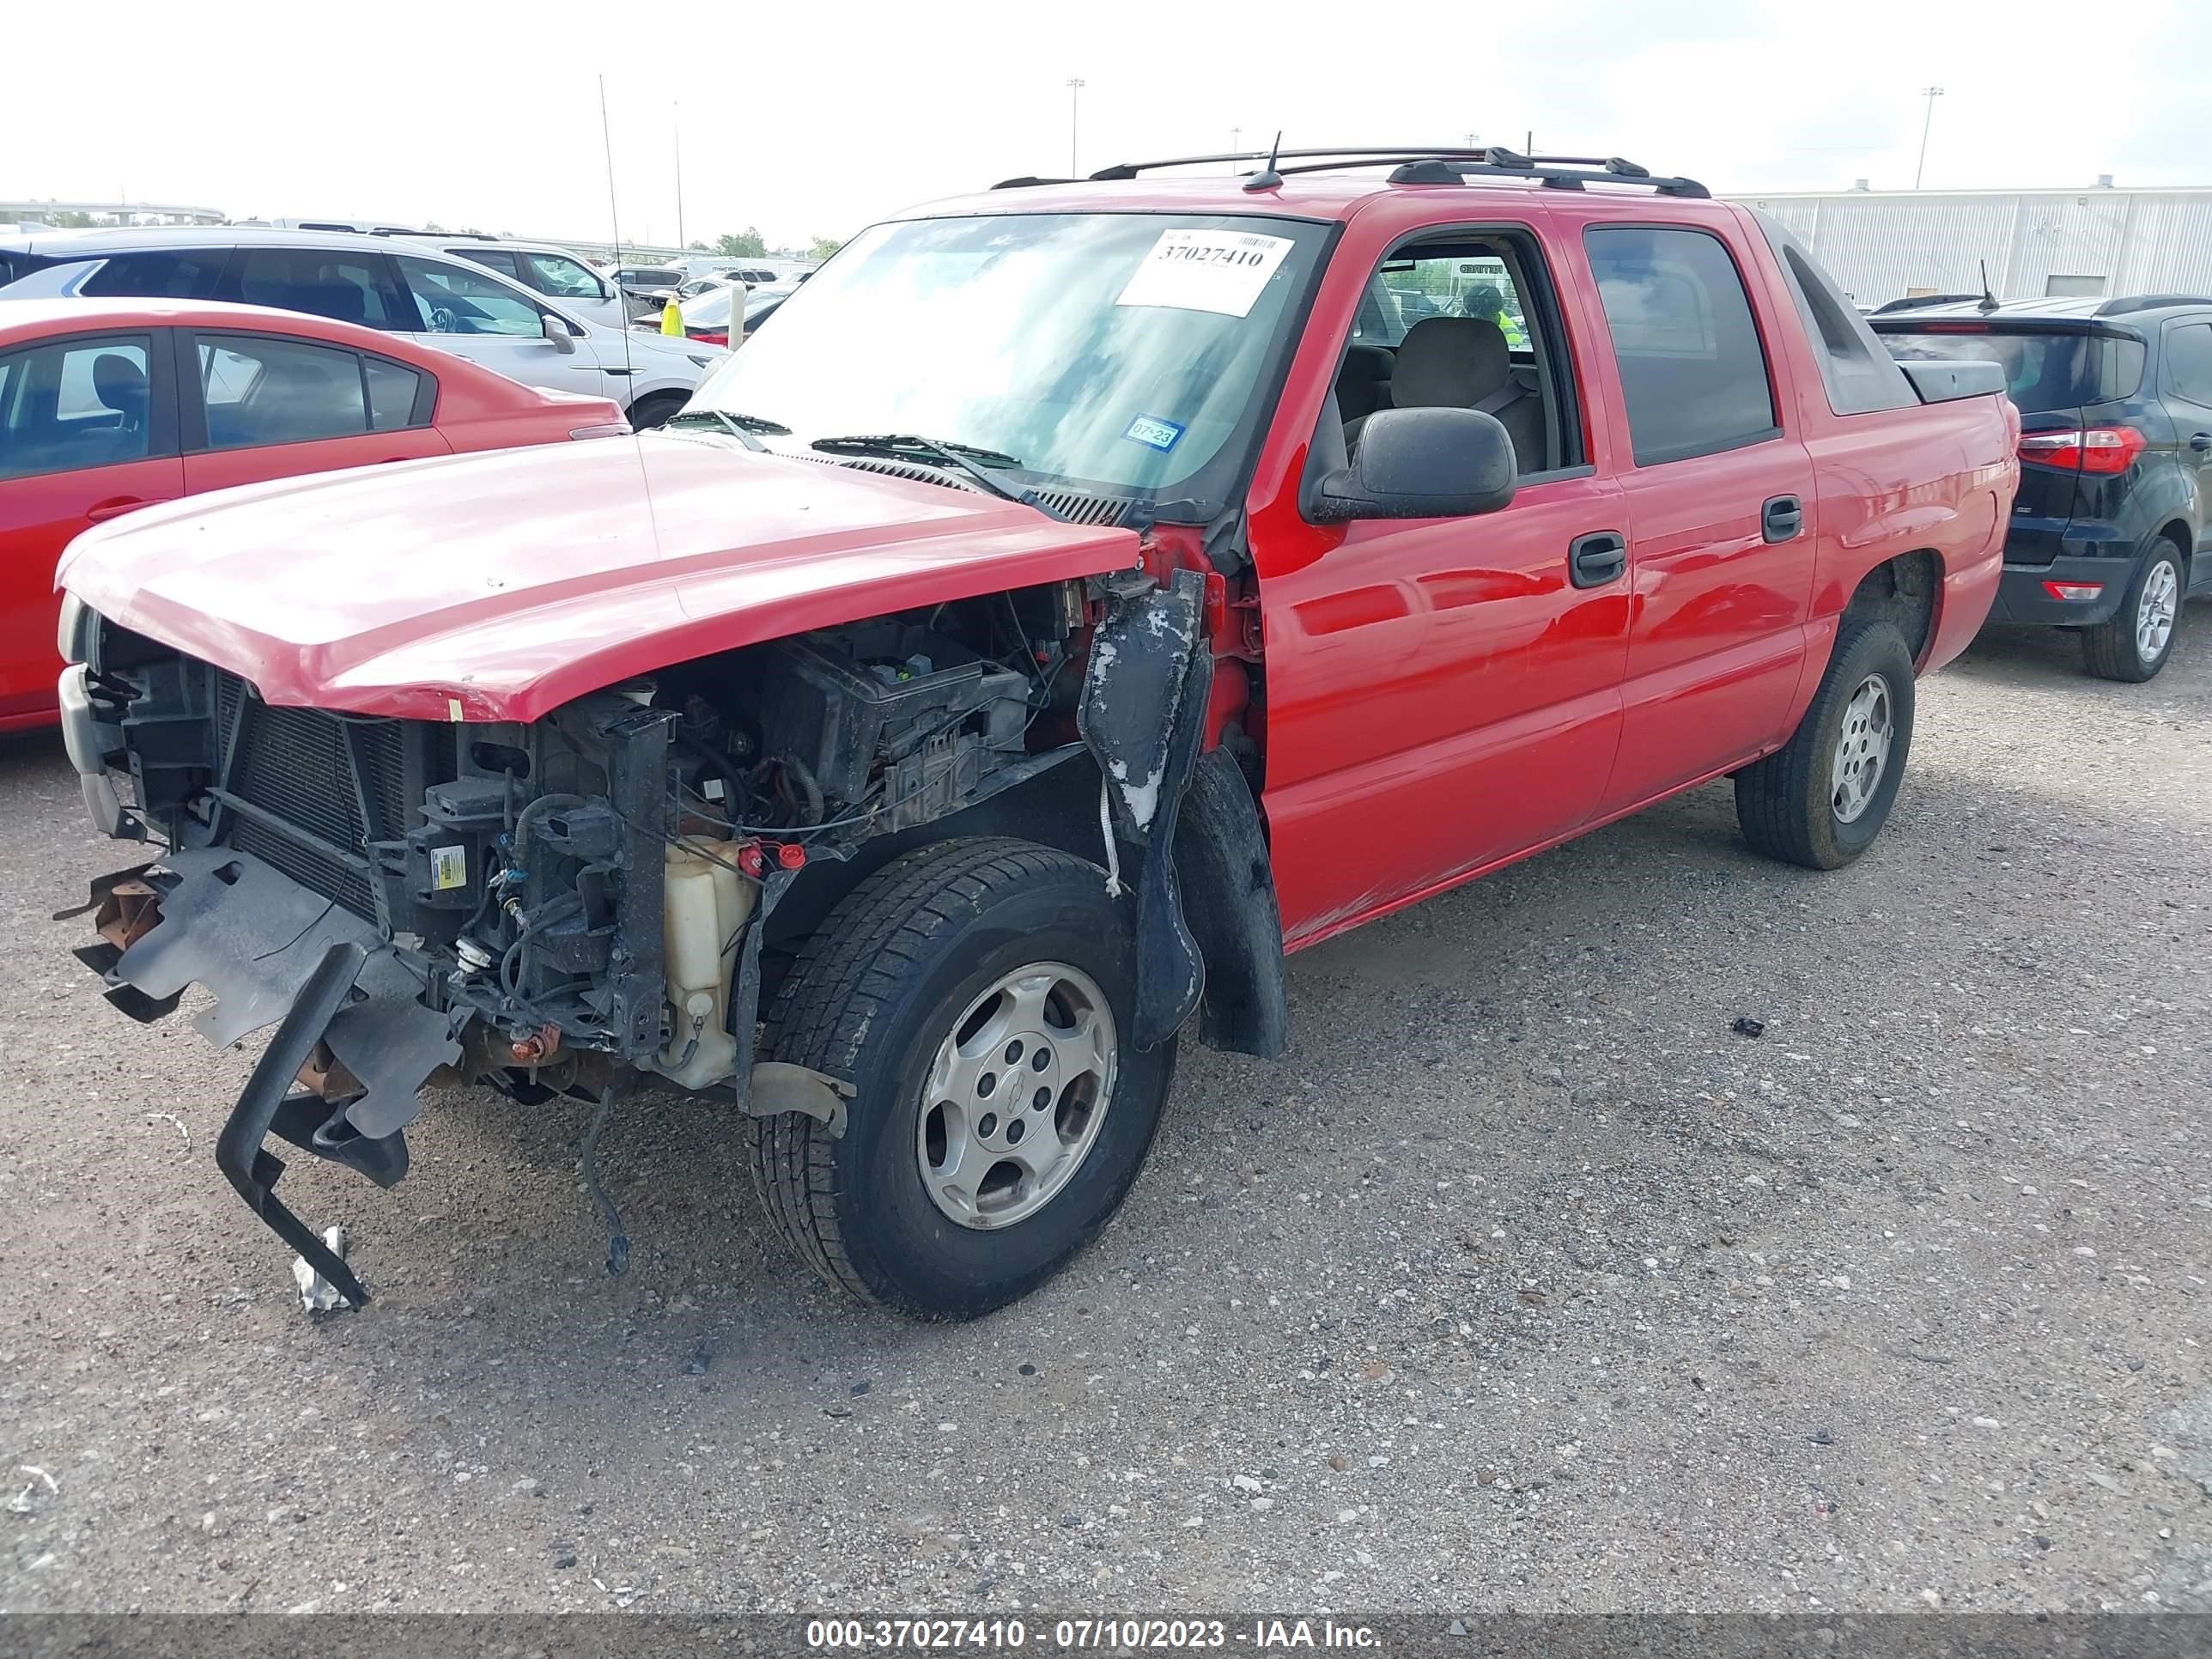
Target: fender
{"points": [[1143, 717]]}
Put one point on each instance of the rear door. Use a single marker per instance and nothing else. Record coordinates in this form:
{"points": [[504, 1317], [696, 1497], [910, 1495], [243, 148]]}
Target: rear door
{"points": [[259, 406], [87, 432], [1717, 495]]}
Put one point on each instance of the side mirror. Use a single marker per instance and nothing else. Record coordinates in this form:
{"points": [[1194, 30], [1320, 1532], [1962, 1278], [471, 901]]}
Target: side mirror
{"points": [[562, 336], [1421, 463]]}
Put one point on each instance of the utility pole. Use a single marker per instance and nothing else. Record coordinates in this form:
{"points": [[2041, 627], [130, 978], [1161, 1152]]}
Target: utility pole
{"points": [[1236, 141], [1074, 94], [676, 115], [1471, 144], [1931, 94]]}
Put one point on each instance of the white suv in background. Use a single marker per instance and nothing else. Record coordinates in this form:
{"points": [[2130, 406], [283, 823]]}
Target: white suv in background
{"points": [[384, 282]]}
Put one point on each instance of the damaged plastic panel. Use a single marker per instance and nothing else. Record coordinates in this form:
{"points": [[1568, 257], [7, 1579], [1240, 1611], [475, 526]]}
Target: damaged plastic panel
{"points": [[1143, 717]]}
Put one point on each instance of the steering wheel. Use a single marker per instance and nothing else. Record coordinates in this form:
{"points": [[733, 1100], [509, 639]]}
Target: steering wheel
{"points": [[443, 320]]}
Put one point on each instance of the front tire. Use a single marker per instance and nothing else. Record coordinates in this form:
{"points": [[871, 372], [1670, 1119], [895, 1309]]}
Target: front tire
{"points": [[2135, 643], [1822, 799], [980, 996]]}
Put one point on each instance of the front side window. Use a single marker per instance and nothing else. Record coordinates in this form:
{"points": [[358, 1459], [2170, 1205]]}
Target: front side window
{"points": [[561, 277], [259, 390], [1692, 371], [75, 404], [348, 288], [454, 300], [1408, 288], [1132, 352]]}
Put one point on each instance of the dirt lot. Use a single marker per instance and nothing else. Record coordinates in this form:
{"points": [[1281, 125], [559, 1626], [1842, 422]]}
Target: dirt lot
{"points": [[1524, 1281]]}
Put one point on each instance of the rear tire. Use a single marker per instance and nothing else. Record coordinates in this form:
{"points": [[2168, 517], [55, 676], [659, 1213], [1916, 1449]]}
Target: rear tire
{"points": [[649, 412], [1822, 799], [2136, 642], [980, 995]]}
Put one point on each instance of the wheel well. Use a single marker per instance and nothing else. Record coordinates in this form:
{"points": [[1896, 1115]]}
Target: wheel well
{"points": [[2184, 543], [1901, 590]]}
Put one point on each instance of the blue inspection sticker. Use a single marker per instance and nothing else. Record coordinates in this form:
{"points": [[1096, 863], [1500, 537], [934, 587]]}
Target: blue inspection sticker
{"points": [[1154, 433]]}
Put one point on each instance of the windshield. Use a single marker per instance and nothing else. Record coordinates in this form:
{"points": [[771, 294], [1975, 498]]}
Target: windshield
{"points": [[1126, 352], [2043, 371]]}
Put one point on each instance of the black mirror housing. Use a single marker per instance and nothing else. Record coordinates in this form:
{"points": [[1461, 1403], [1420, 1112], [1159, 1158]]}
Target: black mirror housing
{"points": [[1422, 464]]}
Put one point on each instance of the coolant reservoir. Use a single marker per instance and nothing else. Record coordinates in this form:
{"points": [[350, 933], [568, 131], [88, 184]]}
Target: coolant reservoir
{"points": [[706, 901]]}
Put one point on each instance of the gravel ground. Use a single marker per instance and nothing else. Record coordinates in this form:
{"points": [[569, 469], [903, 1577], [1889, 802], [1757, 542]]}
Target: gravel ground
{"points": [[1522, 1282]]}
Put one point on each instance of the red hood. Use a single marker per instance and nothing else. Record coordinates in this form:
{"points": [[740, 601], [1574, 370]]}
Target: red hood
{"points": [[499, 586]]}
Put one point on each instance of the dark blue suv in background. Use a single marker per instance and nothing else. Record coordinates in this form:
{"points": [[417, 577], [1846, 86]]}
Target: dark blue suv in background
{"points": [[2115, 398]]}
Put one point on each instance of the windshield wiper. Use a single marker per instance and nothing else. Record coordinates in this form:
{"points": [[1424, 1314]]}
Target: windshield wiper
{"points": [[740, 427], [961, 457]]}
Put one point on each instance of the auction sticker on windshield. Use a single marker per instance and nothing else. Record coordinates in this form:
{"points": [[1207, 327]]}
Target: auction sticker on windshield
{"points": [[1223, 270]]}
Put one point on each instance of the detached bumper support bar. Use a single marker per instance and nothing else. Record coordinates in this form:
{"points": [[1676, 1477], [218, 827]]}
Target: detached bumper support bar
{"points": [[267, 1103]]}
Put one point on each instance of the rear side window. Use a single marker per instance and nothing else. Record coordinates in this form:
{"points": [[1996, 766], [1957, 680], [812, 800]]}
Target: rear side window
{"points": [[260, 391], [2189, 361], [186, 275], [348, 288], [1692, 371], [76, 403]]}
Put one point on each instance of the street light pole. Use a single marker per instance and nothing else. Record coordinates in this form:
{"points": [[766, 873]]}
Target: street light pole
{"points": [[1236, 141], [1074, 94], [1931, 94], [676, 115]]}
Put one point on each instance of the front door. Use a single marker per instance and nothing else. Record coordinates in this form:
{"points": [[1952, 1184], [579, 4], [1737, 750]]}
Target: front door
{"points": [[1720, 508], [87, 432], [487, 321], [1445, 693]]}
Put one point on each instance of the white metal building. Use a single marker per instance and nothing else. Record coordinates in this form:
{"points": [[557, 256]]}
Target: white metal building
{"points": [[1883, 244]]}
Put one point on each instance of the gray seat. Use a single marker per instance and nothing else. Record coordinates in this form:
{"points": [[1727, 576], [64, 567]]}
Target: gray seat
{"points": [[1462, 362]]}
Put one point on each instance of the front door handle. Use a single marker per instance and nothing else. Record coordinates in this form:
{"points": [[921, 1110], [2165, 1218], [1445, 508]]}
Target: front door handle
{"points": [[2201, 442], [100, 512], [1780, 519], [1598, 558]]}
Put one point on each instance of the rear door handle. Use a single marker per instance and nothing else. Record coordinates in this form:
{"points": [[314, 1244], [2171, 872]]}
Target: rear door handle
{"points": [[2201, 442], [1598, 558], [101, 511], [1782, 517]]}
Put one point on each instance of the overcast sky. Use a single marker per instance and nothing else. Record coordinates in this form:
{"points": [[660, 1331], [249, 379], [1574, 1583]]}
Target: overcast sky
{"points": [[813, 120]]}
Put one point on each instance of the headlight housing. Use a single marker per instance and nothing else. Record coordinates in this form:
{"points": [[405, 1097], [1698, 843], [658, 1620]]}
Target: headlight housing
{"points": [[73, 635]]}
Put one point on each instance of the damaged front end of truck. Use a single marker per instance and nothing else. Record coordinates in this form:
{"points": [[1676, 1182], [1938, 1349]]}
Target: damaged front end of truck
{"points": [[591, 901]]}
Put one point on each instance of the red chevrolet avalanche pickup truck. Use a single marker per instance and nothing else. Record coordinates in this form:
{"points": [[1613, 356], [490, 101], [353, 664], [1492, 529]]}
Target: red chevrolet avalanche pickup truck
{"points": [[1086, 594]]}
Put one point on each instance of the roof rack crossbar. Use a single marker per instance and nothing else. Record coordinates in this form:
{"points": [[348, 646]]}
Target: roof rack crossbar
{"points": [[1413, 164]]}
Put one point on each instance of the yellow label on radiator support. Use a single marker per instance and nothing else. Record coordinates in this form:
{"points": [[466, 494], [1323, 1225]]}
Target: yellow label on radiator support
{"points": [[449, 868]]}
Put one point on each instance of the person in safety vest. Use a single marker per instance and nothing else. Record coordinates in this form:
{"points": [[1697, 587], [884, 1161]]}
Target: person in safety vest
{"points": [[1483, 300]]}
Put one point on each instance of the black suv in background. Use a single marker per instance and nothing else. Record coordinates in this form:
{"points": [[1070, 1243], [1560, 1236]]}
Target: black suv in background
{"points": [[2116, 459]]}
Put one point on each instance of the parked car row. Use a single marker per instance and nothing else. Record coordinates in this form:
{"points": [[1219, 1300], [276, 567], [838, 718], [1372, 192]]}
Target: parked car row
{"points": [[393, 285], [1063, 613]]}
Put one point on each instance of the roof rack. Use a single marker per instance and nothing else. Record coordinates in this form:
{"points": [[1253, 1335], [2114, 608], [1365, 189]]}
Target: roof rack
{"points": [[2121, 308], [1416, 165]]}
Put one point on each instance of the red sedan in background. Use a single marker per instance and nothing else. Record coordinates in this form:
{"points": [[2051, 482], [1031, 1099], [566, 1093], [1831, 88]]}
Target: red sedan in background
{"points": [[110, 405]]}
